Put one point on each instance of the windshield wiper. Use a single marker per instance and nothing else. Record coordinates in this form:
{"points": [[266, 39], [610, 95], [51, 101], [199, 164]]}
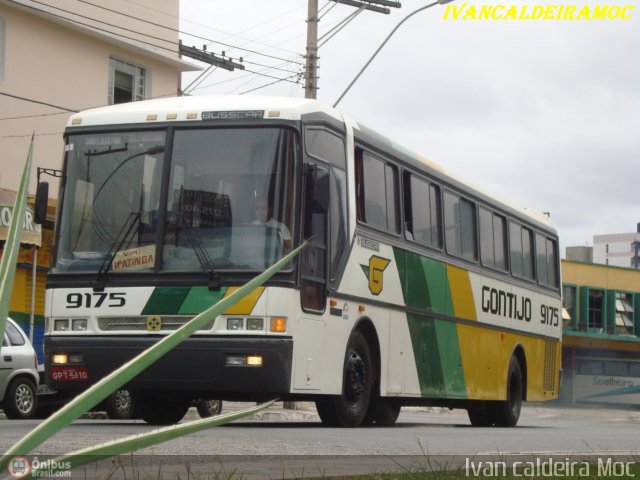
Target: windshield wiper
{"points": [[203, 257], [133, 220]]}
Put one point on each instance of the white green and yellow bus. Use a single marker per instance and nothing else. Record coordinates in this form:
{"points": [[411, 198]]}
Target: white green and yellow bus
{"points": [[416, 287]]}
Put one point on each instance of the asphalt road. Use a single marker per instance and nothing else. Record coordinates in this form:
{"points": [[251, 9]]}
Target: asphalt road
{"points": [[280, 443]]}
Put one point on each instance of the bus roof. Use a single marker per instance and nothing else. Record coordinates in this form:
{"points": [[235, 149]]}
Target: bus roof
{"points": [[197, 108], [191, 108]]}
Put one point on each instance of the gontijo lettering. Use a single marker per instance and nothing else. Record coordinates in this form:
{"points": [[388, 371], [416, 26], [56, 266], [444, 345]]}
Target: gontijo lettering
{"points": [[506, 304], [468, 11]]}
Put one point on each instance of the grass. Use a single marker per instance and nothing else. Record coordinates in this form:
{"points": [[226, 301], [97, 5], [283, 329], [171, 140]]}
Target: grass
{"points": [[617, 469]]}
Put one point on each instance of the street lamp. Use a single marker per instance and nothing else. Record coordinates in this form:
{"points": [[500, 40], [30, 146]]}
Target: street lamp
{"points": [[438, 2]]}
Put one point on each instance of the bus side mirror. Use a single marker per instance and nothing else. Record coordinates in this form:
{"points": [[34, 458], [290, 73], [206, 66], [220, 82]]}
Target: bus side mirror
{"points": [[42, 199]]}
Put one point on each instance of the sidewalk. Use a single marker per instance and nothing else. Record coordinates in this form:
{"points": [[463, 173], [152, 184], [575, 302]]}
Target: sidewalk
{"points": [[304, 412]]}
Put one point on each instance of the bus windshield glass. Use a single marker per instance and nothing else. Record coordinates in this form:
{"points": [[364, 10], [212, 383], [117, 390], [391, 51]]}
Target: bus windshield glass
{"points": [[111, 197], [225, 204], [230, 199]]}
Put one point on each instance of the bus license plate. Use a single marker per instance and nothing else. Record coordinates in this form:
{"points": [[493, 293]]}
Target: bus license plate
{"points": [[69, 374]]}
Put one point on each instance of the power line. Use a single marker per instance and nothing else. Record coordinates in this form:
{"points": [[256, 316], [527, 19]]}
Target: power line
{"points": [[94, 27], [34, 116], [186, 33], [145, 34], [35, 135], [266, 85], [38, 102], [208, 27]]}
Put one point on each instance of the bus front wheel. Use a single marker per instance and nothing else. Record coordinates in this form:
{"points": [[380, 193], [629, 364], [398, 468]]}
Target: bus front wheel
{"points": [[162, 408], [350, 408]]}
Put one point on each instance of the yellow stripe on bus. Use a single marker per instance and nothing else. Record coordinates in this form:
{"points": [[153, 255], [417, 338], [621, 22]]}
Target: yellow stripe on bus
{"points": [[245, 306], [461, 294], [486, 354]]}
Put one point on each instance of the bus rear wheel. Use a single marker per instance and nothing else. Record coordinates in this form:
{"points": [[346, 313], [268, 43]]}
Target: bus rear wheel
{"points": [[503, 413], [162, 408], [350, 408], [506, 413]]}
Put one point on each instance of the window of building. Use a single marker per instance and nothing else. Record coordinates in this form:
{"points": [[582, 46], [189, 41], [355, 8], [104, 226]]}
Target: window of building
{"points": [[546, 261], [376, 187], [493, 240], [596, 308], [2, 47], [616, 369], [127, 81], [521, 244], [422, 211], [460, 226], [569, 300], [590, 367], [624, 313]]}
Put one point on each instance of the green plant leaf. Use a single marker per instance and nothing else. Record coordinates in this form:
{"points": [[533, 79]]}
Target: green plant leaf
{"points": [[136, 442], [99, 391], [12, 244]]}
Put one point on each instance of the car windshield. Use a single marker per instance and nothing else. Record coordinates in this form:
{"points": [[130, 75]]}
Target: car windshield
{"points": [[229, 200]]}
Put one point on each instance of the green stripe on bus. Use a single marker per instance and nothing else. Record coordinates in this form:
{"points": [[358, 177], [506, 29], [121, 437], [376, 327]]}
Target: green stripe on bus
{"points": [[435, 342], [199, 299], [165, 301]]}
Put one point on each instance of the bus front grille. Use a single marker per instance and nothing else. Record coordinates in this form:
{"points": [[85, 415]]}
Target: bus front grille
{"points": [[145, 324]]}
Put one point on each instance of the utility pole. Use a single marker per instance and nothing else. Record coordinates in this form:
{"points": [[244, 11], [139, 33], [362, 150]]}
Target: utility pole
{"points": [[311, 68]]}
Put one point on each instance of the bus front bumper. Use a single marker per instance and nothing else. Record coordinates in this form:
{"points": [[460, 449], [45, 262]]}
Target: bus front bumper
{"points": [[201, 365]]}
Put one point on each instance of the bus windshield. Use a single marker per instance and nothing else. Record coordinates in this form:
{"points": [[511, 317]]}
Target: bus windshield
{"points": [[225, 204]]}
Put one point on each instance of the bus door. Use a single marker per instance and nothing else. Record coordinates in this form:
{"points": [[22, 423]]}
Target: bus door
{"points": [[310, 326]]}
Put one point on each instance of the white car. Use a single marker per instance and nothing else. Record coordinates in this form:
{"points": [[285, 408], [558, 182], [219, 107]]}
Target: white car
{"points": [[18, 374]]}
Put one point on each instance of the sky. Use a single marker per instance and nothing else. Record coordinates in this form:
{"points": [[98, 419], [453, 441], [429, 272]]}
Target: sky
{"points": [[543, 113]]}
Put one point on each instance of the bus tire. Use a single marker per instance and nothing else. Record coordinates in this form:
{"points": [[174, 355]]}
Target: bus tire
{"points": [[383, 411], [506, 413], [162, 409], [209, 408], [350, 409], [480, 414]]}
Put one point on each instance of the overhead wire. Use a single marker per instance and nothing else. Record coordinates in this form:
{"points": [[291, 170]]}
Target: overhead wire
{"points": [[208, 27], [126, 29], [183, 32]]}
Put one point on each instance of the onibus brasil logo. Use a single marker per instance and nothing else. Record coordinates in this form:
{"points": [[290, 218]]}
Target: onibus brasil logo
{"points": [[22, 467]]}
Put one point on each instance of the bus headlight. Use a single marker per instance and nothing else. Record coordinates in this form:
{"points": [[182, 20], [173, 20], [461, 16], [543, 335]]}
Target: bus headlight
{"points": [[235, 323], [79, 324], [59, 358], [61, 325], [255, 323]]}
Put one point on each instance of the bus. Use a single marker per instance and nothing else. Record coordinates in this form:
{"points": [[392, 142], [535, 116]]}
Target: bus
{"points": [[416, 288]]}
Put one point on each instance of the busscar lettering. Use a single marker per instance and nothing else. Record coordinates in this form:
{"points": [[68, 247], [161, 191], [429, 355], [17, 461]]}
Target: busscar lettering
{"points": [[506, 304]]}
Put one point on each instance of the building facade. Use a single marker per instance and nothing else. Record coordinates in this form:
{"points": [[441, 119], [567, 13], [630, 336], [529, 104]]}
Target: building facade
{"points": [[621, 249], [601, 336], [61, 56]]}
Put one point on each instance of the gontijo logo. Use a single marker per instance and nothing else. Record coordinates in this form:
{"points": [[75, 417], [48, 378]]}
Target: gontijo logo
{"points": [[374, 271], [468, 11]]}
